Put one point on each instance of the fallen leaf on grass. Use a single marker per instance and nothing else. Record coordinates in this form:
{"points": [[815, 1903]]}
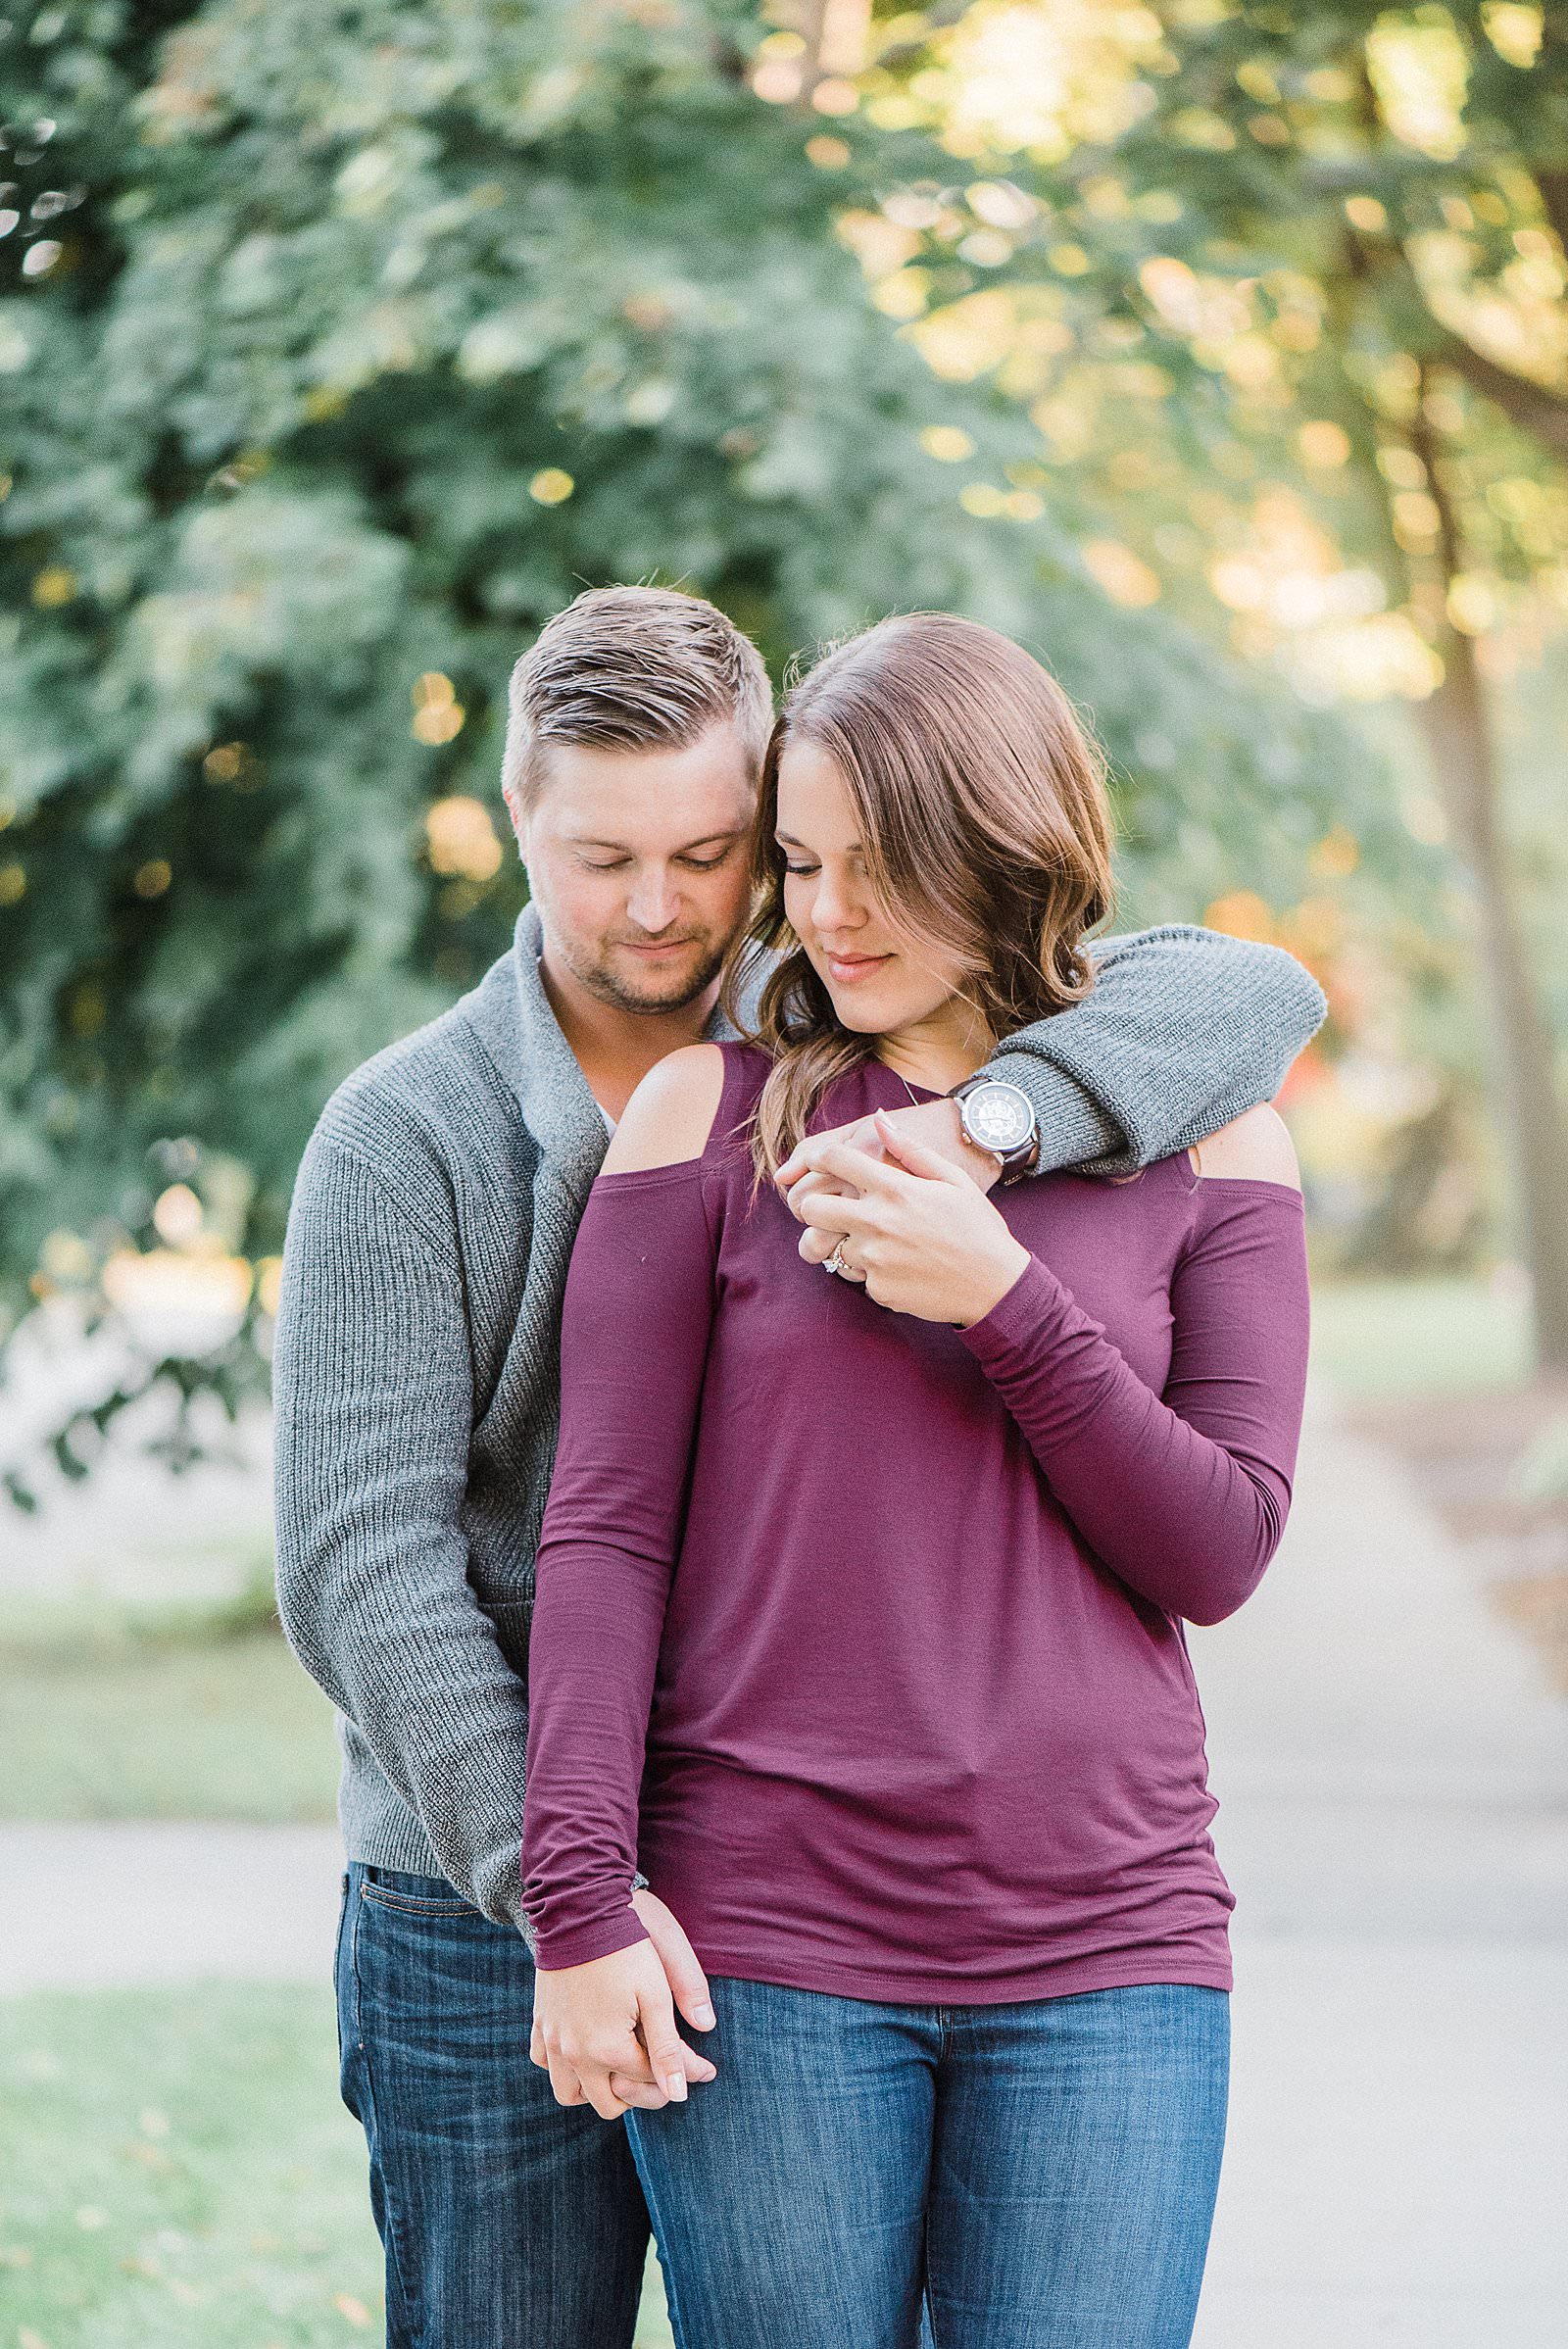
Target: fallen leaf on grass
{"points": [[354, 2310], [27, 2339]]}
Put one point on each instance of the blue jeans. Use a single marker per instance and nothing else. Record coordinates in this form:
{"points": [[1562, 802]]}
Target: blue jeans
{"points": [[1049, 2168], [510, 2221]]}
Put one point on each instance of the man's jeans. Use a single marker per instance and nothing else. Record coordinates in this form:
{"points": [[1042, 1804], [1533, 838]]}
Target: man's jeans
{"points": [[1049, 2165], [510, 2221]]}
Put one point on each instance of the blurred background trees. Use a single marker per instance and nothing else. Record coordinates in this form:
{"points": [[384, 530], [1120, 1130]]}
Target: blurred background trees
{"points": [[1323, 249], [1216, 350], [1217, 354]]}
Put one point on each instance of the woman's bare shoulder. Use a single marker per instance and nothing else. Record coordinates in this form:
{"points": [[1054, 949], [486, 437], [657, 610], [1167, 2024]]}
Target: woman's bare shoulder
{"points": [[1255, 1148], [670, 1115]]}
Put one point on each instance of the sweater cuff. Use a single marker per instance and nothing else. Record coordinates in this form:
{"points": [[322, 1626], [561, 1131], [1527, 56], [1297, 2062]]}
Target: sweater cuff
{"points": [[1073, 1127], [579, 1946]]}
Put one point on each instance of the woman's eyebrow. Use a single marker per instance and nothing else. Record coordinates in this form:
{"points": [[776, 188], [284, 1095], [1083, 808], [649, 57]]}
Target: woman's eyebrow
{"points": [[787, 840]]}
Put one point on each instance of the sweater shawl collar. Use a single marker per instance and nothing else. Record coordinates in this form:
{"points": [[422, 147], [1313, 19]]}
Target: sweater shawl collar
{"points": [[511, 1016]]}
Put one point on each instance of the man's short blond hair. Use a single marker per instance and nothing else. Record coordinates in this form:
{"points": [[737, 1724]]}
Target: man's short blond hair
{"points": [[632, 668]]}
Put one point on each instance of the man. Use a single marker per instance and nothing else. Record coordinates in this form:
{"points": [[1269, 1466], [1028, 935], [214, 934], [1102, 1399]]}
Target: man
{"points": [[416, 1398]]}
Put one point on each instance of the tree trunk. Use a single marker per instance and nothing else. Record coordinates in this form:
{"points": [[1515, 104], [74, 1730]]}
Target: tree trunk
{"points": [[1464, 760], [836, 33]]}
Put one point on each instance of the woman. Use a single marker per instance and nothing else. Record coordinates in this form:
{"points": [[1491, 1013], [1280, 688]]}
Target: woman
{"points": [[860, 1602]]}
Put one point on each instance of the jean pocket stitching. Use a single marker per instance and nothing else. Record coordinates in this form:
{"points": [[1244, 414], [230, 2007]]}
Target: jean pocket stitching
{"points": [[382, 1897]]}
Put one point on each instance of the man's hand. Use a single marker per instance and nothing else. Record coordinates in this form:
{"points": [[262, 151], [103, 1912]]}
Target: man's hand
{"points": [[937, 1124], [921, 1234], [618, 2016]]}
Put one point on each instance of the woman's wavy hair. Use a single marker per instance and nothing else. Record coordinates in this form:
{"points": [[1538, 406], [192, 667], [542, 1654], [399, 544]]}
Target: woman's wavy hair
{"points": [[986, 832]]}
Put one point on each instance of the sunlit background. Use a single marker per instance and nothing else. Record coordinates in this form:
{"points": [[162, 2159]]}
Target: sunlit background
{"points": [[1219, 352]]}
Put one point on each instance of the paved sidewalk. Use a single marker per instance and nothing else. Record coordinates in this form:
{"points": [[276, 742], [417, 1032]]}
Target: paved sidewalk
{"points": [[163, 1901], [1392, 1775]]}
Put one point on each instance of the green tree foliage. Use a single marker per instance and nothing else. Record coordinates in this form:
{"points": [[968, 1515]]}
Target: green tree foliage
{"points": [[342, 345], [1291, 300], [1400, 179]]}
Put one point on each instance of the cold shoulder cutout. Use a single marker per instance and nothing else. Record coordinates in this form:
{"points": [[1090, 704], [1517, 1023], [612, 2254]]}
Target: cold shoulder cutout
{"points": [[669, 1118], [1255, 1148]]}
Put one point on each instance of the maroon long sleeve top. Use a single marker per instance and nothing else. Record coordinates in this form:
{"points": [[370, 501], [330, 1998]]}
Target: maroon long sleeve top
{"points": [[863, 1636]]}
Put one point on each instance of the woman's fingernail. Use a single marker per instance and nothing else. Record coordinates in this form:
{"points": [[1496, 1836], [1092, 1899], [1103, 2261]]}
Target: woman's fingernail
{"points": [[675, 2083], [704, 2017]]}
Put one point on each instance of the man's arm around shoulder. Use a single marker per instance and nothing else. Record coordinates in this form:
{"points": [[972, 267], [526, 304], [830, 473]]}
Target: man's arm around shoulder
{"points": [[1182, 1029]]}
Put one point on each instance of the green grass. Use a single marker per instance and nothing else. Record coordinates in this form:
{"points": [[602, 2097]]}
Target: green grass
{"points": [[194, 1715], [1386, 1339], [176, 2172]]}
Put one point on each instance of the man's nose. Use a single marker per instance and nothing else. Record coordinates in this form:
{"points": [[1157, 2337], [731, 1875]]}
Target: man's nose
{"points": [[652, 903]]}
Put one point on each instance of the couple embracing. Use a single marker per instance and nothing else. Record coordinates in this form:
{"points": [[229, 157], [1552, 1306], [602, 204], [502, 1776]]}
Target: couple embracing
{"points": [[818, 1552]]}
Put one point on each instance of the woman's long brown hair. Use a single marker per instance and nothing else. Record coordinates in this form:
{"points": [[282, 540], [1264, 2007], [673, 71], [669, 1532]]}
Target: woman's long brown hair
{"points": [[985, 833]]}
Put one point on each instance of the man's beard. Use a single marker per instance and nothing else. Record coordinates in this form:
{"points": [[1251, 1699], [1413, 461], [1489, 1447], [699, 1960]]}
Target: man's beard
{"points": [[605, 980]]}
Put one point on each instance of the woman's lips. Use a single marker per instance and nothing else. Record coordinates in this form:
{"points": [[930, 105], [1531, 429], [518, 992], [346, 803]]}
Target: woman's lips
{"points": [[844, 969]]}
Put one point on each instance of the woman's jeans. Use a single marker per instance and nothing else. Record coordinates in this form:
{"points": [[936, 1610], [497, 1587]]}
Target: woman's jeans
{"points": [[1048, 2167]]}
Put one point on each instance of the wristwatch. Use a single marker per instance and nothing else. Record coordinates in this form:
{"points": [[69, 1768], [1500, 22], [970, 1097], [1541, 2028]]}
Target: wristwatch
{"points": [[999, 1118]]}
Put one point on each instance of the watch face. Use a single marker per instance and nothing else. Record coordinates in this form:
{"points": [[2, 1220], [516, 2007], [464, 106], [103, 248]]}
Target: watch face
{"points": [[998, 1117]]}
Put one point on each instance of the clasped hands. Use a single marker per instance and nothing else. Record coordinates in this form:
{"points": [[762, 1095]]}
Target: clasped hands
{"points": [[605, 2031], [900, 1196]]}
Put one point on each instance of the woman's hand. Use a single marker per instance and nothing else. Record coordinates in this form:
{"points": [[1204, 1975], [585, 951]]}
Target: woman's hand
{"points": [[605, 2031], [923, 1235], [936, 1123]]}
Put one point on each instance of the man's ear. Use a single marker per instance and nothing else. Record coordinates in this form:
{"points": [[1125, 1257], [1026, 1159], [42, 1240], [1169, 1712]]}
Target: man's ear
{"points": [[520, 822]]}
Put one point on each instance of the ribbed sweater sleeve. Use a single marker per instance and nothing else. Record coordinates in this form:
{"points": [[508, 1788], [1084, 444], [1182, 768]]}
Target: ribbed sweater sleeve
{"points": [[1183, 1494], [633, 1351], [1182, 1029], [374, 1384]]}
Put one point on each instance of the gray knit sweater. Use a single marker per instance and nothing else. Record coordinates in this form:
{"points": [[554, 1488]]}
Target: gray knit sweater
{"points": [[416, 1372]]}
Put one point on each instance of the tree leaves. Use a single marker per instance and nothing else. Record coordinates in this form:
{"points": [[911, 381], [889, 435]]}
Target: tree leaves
{"points": [[390, 328]]}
